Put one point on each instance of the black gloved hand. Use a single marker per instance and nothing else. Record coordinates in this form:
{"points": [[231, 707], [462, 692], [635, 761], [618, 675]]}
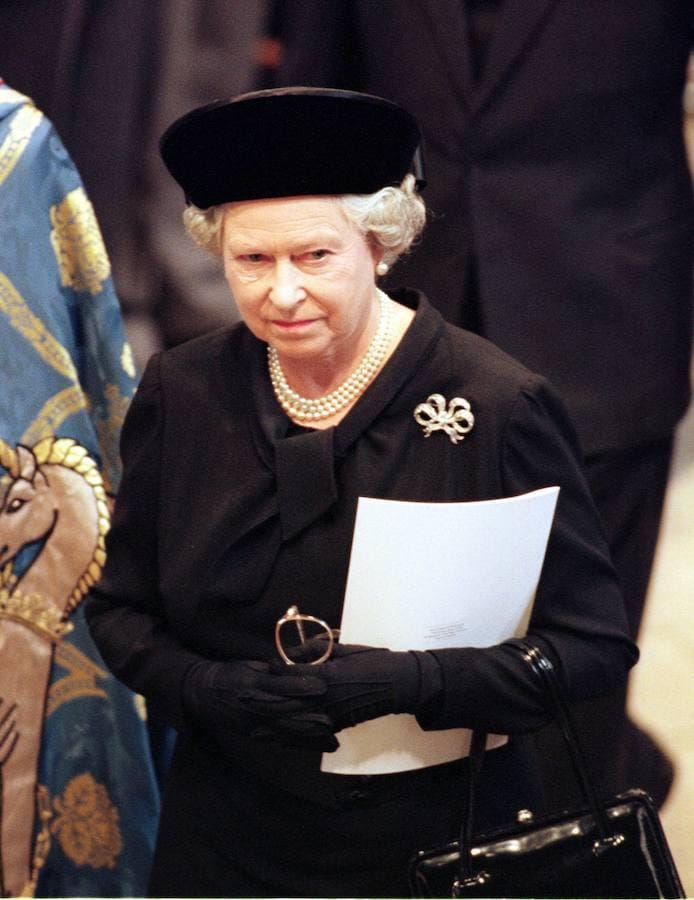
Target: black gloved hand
{"points": [[244, 696], [363, 683], [309, 730]]}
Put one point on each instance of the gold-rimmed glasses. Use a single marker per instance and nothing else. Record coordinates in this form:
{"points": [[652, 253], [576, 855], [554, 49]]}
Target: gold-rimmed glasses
{"points": [[294, 629]]}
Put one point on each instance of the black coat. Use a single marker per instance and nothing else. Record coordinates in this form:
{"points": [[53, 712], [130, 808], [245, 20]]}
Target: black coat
{"points": [[225, 517], [561, 176]]}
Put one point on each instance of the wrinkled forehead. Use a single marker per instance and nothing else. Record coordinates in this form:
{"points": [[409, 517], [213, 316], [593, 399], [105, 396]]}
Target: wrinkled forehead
{"points": [[289, 221]]}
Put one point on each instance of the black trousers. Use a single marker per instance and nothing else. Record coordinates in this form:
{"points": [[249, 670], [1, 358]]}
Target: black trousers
{"points": [[629, 490]]}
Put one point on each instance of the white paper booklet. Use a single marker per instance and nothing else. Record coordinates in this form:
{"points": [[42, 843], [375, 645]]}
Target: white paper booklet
{"points": [[429, 575]]}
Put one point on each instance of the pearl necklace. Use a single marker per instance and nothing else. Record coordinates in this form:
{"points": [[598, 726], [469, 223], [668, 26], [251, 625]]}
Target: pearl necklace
{"points": [[312, 409]]}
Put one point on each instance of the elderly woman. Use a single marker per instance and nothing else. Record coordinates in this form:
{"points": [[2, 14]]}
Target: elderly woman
{"points": [[245, 452]]}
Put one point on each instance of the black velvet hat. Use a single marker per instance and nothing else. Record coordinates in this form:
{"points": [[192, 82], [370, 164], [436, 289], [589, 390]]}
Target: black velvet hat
{"points": [[290, 142]]}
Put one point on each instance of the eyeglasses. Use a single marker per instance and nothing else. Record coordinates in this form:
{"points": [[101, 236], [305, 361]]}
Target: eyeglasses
{"points": [[295, 629]]}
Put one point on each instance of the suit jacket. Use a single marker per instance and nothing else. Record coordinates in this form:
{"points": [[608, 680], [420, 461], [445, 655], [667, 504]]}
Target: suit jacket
{"points": [[558, 183]]}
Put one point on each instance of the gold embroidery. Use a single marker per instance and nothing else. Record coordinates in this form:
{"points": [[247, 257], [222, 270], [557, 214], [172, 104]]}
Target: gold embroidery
{"points": [[78, 245], [22, 125], [57, 475], [69, 454], [81, 682], [42, 846], [108, 430], [53, 413], [87, 824], [32, 610], [53, 500], [117, 408], [128, 361], [33, 329]]}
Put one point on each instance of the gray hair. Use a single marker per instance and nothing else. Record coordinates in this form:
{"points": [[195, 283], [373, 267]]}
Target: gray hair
{"points": [[393, 218]]}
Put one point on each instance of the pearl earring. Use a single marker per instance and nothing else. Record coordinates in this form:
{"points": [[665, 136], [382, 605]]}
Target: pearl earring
{"points": [[382, 268]]}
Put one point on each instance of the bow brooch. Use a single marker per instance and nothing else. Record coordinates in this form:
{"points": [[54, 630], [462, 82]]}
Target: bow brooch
{"points": [[456, 421]]}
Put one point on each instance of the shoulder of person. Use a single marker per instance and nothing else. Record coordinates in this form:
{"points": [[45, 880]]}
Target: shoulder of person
{"points": [[229, 342], [483, 362]]}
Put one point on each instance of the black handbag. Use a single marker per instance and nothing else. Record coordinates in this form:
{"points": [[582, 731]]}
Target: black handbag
{"points": [[614, 848]]}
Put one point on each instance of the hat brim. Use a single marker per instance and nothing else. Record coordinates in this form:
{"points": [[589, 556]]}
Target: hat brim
{"points": [[290, 142]]}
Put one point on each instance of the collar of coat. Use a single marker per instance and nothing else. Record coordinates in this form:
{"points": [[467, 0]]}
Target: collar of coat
{"points": [[304, 462]]}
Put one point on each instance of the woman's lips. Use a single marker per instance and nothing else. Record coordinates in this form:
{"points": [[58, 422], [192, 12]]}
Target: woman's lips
{"points": [[294, 325]]}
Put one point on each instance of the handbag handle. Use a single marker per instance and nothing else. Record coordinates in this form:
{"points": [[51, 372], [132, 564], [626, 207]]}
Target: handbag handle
{"points": [[543, 668]]}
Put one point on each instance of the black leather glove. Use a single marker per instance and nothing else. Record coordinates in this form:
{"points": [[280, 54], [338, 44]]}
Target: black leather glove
{"points": [[244, 696], [308, 730], [363, 683]]}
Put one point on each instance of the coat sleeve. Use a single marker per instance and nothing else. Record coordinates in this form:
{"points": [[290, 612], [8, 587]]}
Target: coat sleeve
{"points": [[578, 618], [123, 610]]}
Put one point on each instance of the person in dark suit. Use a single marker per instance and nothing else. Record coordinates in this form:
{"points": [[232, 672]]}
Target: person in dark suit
{"points": [[245, 452], [561, 229]]}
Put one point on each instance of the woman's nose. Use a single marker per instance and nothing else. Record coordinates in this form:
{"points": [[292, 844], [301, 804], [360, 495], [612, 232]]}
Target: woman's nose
{"points": [[287, 289]]}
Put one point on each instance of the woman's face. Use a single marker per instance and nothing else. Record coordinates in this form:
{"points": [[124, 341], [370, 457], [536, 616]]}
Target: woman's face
{"points": [[302, 276]]}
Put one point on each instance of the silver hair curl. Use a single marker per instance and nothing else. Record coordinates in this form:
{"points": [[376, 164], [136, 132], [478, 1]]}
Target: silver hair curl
{"points": [[393, 218]]}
